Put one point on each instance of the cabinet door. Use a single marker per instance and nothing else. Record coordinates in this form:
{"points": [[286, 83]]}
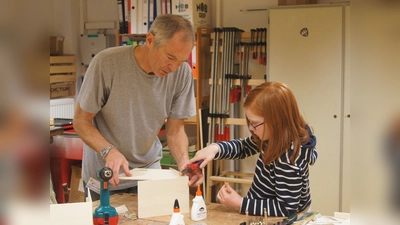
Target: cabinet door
{"points": [[346, 184], [305, 52]]}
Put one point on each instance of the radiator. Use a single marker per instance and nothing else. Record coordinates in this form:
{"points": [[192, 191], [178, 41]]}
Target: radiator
{"points": [[62, 108]]}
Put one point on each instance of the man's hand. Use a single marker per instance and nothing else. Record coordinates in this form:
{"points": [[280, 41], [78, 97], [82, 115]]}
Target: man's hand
{"points": [[229, 197], [115, 160]]}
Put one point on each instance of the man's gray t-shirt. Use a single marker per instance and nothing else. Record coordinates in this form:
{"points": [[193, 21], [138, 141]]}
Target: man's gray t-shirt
{"points": [[131, 107]]}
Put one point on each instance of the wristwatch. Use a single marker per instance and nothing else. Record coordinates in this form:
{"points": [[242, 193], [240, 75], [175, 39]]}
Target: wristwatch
{"points": [[105, 150]]}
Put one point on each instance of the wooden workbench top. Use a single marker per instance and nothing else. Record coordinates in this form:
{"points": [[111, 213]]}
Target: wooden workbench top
{"points": [[217, 214]]}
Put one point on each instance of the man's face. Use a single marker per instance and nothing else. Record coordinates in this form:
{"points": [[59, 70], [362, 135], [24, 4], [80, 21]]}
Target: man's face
{"points": [[169, 57]]}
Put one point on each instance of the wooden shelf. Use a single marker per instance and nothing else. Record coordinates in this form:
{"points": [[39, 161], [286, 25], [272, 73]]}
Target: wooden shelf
{"points": [[236, 82], [133, 35], [120, 36], [244, 35], [191, 120], [231, 121]]}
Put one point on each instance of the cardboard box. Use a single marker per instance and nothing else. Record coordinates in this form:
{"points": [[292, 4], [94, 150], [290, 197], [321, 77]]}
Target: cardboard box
{"points": [[61, 90], [75, 195], [197, 11], [56, 45], [296, 2]]}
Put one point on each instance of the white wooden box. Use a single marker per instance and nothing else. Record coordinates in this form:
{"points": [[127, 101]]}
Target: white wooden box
{"points": [[157, 191]]}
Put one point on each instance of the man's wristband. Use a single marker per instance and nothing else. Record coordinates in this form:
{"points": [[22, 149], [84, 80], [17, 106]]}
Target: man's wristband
{"points": [[106, 150]]}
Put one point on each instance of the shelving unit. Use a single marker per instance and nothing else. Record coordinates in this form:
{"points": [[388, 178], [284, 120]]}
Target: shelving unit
{"points": [[203, 69], [132, 37]]}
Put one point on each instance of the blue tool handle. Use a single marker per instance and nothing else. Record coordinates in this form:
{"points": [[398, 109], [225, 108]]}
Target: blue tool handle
{"points": [[198, 162]]}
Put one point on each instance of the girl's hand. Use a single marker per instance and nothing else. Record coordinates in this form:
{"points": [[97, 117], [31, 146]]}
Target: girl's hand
{"points": [[229, 197], [206, 154]]}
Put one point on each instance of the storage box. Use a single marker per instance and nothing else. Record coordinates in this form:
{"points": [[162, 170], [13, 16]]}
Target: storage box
{"points": [[168, 160], [75, 195], [197, 11], [56, 45], [62, 76], [61, 90], [296, 2]]}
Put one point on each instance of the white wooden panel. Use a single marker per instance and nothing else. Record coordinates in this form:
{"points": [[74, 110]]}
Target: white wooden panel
{"points": [[150, 174], [157, 197], [312, 67], [78, 213]]}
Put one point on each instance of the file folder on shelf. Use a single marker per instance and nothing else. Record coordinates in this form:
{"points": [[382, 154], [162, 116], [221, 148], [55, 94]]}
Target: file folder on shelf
{"points": [[133, 19]]}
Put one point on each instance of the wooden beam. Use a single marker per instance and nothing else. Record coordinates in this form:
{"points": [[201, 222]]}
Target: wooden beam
{"points": [[236, 82], [230, 180], [231, 121]]}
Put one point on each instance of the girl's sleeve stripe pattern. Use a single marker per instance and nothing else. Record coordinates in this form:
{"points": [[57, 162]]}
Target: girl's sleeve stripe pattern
{"points": [[236, 149]]}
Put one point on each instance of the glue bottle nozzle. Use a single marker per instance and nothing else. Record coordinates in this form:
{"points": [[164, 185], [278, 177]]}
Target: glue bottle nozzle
{"points": [[198, 192], [176, 206]]}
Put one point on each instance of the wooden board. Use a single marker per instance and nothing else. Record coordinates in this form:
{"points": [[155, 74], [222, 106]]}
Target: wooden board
{"points": [[157, 197], [158, 188], [150, 174], [78, 213]]}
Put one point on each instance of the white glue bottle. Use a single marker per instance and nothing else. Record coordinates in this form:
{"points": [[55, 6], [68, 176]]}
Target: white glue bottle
{"points": [[199, 211], [177, 217]]}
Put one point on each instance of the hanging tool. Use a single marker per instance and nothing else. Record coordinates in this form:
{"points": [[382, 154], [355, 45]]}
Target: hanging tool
{"points": [[66, 192], [265, 47], [261, 57], [105, 213], [191, 167], [253, 42]]}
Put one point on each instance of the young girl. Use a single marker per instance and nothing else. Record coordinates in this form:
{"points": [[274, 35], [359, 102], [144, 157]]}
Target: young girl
{"points": [[286, 146]]}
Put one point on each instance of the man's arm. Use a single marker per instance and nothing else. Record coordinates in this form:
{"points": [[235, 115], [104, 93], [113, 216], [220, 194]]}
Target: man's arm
{"points": [[177, 141], [178, 144], [87, 131], [92, 137]]}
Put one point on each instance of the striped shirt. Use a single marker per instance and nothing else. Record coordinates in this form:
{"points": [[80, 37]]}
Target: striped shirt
{"points": [[279, 187]]}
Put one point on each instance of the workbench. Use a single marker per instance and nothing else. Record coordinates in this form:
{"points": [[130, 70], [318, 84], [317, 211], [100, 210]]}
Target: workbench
{"points": [[217, 214]]}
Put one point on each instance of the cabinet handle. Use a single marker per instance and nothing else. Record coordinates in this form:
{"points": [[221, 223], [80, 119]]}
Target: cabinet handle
{"points": [[334, 116], [348, 116]]}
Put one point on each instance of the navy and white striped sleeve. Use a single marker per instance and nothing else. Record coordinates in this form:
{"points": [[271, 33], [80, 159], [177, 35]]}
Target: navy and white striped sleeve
{"points": [[288, 186], [236, 149]]}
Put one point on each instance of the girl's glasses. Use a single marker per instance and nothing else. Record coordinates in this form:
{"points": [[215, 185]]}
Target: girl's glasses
{"points": [[255, 126]]}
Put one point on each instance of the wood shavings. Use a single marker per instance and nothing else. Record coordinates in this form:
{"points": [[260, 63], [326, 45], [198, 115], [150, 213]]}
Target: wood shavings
{"points": [[130, 215]]}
